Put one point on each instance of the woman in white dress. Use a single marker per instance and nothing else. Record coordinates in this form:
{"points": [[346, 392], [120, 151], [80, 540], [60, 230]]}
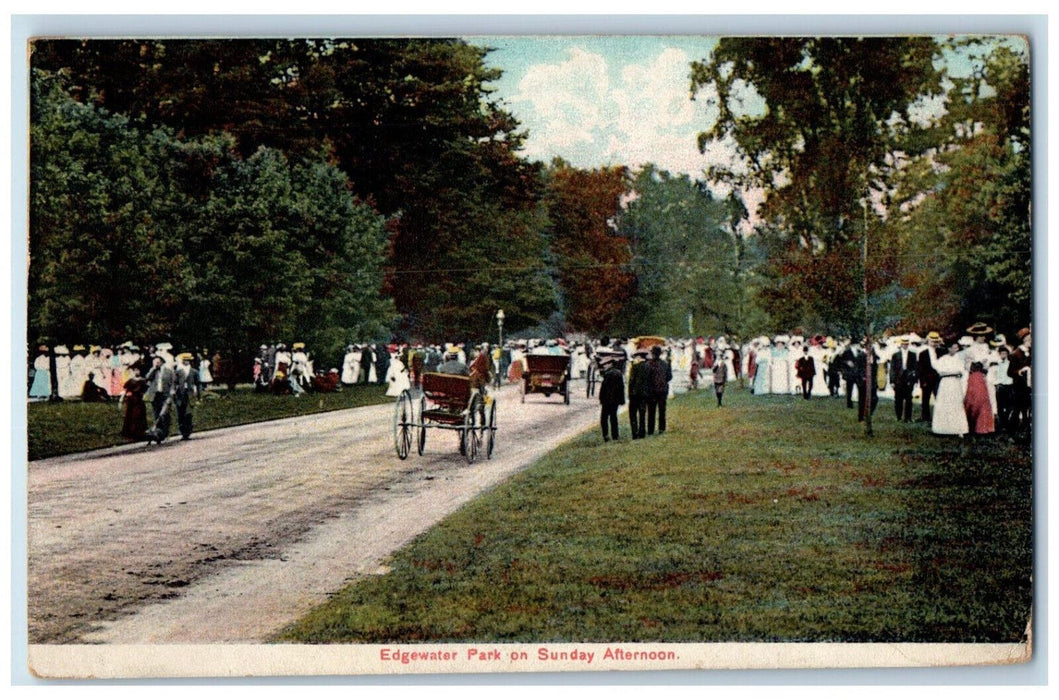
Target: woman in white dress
{"points": [[350, 367], [373, 377], [205, 375], [950, 418], [397, 376], [779, 363], [820, 363]]}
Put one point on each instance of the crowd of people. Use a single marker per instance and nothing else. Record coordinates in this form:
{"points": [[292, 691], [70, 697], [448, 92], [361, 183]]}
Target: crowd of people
{"points": [[978, 382]]}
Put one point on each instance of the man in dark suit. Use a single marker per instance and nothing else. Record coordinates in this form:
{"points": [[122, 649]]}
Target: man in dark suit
{"points": [[904, 365], [928, 378], [1019, 369], [611, 397], [638, 395], [659, 374]]}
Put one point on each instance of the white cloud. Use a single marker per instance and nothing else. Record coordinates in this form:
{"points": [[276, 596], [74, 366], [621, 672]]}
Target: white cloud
{"points": [[592, 114], [566, 103]]}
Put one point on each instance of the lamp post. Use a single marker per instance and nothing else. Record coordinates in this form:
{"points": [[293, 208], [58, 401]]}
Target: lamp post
{"points": [[500, 345], [869, 351]]}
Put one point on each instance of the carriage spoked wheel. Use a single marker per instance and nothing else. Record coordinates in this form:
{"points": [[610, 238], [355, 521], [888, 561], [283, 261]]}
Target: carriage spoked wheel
{"points": [[403, 418], [422, 437], [470, 434], [490, 429]]}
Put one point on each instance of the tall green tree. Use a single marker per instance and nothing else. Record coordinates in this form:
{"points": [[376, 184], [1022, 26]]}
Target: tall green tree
{"points": [[104, 263], [963, 208], [816, 123], [684, 258], [410, 122], [138, 234]]}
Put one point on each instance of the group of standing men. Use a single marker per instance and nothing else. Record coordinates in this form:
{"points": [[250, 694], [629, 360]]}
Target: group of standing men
{"points": [[649, 377]]}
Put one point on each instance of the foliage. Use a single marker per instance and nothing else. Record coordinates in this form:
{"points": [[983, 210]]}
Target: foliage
{"points": [[410, 124], [687, 258], [963, 208], [140, 234], [816, 122], [591, 257]]}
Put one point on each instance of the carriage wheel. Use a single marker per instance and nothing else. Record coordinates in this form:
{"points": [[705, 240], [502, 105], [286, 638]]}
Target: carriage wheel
{"points": [[402, 424], [490, 429], [471, 435], [422, 441]]}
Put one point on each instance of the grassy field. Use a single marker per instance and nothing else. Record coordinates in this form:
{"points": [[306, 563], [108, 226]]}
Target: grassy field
{"points": [[72, 426], [771, 519]]}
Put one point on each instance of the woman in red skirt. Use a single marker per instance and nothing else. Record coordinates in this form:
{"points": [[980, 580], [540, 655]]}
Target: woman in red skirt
{"points": [[976, 401]]}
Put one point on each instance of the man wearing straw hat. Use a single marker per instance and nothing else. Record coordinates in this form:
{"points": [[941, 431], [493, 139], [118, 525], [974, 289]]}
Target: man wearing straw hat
{"points": [[928, 376], [182, 389], [904, 366]]}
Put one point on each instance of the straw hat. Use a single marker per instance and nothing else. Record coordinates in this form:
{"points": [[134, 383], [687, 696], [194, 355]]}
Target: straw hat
{"points": [[979, 328]]}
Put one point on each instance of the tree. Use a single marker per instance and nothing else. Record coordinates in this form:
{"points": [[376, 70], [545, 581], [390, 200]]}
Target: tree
{"points": [[140, 235], [683, 257], [103, 262], [410, 123], [963, 206], [591, 257], [816, 123]]}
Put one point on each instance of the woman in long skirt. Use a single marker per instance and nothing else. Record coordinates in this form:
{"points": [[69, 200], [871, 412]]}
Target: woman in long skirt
{"points": [[762, 358], [41, 387], [134, 424], [976, 401], [950, 418]]}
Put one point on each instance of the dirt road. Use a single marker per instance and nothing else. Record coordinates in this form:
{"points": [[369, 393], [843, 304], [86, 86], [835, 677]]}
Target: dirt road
{"points": [[236, 532]]}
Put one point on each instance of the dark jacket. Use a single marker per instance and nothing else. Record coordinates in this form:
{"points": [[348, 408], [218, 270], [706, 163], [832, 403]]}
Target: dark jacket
{"points": [[805, 367], [638, 381], [901, 375], [612, 388], [659, 375], [925, 372]]}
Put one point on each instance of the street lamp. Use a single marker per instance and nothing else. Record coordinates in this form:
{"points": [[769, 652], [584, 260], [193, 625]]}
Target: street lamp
{"points": [[500, 345]]}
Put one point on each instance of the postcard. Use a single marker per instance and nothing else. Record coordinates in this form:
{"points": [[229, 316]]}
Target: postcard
{"points": [[363, 354]]}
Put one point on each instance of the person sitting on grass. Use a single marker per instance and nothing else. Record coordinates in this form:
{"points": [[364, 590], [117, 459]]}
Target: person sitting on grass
{"points": [[92, 392]]}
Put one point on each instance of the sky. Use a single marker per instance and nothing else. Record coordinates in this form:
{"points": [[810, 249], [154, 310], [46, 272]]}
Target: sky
{"points": [[619, 100], [606, 100]]}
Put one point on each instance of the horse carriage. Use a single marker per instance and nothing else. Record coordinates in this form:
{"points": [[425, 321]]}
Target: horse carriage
{"points": [[446, 402], [546, 374]]}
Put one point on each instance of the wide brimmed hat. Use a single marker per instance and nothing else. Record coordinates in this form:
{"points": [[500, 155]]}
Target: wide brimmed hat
{"points": [[1023, 333], [298, 346], [163, 346], [914, 338], [966, 341], [782, 339], [979, 328], [184, 356], [933, 335], [61, 350]]}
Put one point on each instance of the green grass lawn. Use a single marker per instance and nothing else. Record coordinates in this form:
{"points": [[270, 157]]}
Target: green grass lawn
{"points": [[72, 426], [771, 519]]}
